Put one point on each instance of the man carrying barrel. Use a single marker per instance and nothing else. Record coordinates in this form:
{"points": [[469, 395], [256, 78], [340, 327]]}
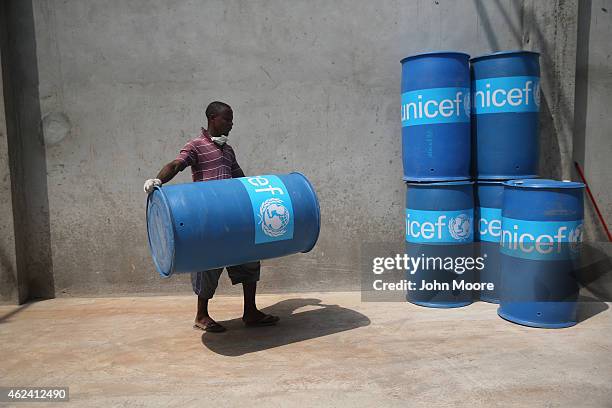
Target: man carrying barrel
{"points": [[211, 158]]}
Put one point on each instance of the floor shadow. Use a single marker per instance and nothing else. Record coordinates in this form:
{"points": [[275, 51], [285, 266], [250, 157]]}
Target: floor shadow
{"points": [[589, 307], [17, 309], [594, 273], [292, 328]]}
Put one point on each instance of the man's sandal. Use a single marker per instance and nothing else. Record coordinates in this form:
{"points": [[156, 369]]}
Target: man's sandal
{"points": [[211, 327], [267, 320]]}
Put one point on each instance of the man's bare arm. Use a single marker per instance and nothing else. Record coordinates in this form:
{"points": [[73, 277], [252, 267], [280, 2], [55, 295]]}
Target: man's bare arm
{"points": [[165, 175], [170, 170]]}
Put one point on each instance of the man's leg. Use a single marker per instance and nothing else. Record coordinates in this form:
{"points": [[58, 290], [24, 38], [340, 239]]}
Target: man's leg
{"points": [[248, 275], [204, 285]]}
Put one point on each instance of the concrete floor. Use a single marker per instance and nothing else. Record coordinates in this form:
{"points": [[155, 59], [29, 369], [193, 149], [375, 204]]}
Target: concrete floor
{"points": [[329, 350]]}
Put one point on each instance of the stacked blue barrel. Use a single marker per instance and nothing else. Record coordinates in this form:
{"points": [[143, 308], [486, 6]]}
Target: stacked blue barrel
{"points": [[505, 143], [470, 144], [506, 105], [542, 223], [528, 229], [436, 159]]}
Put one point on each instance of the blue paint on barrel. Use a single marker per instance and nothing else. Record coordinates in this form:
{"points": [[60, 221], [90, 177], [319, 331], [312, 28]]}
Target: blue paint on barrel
{"points": [[542, 224], [436, 116], [439, 225], [505, 109], [205, 225], [488, 197]]}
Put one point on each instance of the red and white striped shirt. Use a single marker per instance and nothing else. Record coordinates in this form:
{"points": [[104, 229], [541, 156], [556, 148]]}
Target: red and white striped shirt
{"points": [[208, 161]]}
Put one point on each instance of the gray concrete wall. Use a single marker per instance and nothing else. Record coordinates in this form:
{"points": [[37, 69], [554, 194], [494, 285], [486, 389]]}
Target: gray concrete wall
{"points": [[8, 262], [550, 27], [592, 136], [314, 86], [26, 154], [593, 119]]}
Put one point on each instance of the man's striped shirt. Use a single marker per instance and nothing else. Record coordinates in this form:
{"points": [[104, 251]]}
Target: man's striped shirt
{"points": [[208, 161]]}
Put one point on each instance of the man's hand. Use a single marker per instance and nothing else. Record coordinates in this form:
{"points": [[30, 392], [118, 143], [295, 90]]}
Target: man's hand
{"points": [[150, 184]]}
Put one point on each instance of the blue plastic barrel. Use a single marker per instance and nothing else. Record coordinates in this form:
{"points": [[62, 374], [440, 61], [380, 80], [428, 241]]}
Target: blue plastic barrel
{"points": [[439, 236], [542, 224], [205, 225], [505, 108], [487, 234], [436, 116]]}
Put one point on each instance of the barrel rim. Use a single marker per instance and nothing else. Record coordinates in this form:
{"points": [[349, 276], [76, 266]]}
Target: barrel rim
{"points": [[440, 183], [490, 182], [507, 177], [543, 183], [314, 193], [533, 323], [433, 179], [432, 53], [501, 181], [441, 304], [502, 54], [163, 273]]}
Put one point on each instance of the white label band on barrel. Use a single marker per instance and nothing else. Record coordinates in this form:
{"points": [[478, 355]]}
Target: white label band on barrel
{"points": [[272, 208], [435, 106], [541, 240], [435, 227], [489, 223], [518, 94]]}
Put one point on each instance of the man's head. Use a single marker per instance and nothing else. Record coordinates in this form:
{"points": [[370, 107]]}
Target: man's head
{"points": [[220, 117]]}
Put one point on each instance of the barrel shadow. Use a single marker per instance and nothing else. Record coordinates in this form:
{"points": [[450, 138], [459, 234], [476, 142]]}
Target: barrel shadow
{"points": [[595, 277], [595, 270], [292, 328], [589, 307]]}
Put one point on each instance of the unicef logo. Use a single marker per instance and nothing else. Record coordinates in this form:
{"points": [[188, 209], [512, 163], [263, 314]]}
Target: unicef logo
{"points": [[536, 94], [459, 227], [274, 217], [467, 104], [575, 238]]}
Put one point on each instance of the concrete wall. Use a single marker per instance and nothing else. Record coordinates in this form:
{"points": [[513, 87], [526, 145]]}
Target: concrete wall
{"points": [[593, 120], [550, 28], [26, 154], [592, 138], [8, 262], [314, 86]]}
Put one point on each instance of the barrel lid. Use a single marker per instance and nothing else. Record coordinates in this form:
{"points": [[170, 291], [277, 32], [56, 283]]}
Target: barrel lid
{"points": [[318, 215], [439, 183], [543, 183], [432, 53], [160, 231], [503, 54]]}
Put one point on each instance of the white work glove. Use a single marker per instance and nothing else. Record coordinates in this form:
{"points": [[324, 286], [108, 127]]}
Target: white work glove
{"points": [[150, 184]]}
